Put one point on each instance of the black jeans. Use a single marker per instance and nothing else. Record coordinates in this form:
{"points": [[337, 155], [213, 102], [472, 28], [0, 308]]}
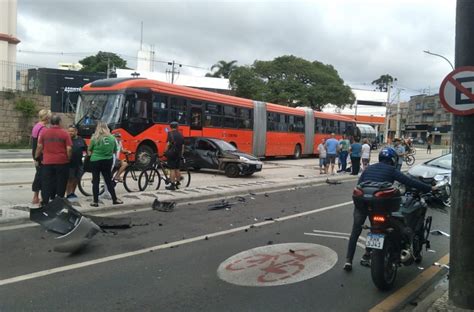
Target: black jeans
{"points": [[103, 167], [359, 219], [53, 181], [355, 165], [36, 186]]}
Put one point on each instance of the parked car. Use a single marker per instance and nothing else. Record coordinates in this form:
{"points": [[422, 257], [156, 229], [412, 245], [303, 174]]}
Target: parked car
{"points": [[210, 153], [429, 169]]}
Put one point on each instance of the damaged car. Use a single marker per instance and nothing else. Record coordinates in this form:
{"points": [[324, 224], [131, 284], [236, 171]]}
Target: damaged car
{"points": [[210, 153]]}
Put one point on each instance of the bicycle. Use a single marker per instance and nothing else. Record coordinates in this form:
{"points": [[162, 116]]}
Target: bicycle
{"points": [[409, 160], [130, 179], [151, 176]]}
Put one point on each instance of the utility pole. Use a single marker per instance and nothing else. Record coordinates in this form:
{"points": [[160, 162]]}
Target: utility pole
{"points": [[387, 117], [108, 67], [461, 272], [173, 71], [397, 131]]}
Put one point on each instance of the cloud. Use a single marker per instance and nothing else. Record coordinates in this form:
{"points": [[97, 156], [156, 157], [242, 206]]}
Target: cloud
{"points": [[361, 39]]}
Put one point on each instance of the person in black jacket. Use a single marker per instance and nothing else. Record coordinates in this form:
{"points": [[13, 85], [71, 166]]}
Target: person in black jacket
{"points": [[384, 171]]}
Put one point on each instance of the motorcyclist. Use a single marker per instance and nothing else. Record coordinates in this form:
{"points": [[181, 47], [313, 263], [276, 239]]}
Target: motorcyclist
{"points": [[383, 171]]}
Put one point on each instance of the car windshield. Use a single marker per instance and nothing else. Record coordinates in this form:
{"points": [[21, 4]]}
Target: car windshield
{"points": [[99, 107], [223, 145], [441, 162]]}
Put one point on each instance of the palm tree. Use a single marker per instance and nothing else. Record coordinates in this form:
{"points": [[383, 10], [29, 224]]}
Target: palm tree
{"points": [[383, 82], [224, 69]]}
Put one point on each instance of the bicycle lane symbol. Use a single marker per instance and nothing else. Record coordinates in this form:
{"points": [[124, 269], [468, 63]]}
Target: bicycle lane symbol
{"points": [[277, 264]]}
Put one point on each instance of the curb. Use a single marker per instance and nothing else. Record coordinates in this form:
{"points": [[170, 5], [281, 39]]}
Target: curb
{"points": [[140, 202], [16, 160]]}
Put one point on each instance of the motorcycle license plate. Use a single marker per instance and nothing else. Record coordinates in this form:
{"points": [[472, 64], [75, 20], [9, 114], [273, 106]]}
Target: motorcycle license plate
{"points": [[375, 241]]}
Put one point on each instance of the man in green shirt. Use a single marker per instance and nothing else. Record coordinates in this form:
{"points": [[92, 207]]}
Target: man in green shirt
{"points": [[344, 146]]}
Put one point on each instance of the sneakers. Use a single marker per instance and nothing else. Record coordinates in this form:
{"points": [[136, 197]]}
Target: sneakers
{"points": [[71, 196], [348, 267], [365, 261], [171, 187]]}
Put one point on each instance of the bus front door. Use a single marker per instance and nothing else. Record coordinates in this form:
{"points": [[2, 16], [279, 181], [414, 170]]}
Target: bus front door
{"points": [[196, 120]]}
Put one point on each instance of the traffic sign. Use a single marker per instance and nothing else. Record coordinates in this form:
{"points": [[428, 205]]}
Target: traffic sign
{"points": [[456, 92]]}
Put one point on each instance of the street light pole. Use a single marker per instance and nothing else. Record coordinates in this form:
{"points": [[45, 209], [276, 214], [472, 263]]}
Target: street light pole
{"points": [[452, 119]]}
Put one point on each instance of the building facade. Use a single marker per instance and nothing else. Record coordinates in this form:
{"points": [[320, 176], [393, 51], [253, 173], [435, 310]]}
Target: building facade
{"points": [[428, 120]]}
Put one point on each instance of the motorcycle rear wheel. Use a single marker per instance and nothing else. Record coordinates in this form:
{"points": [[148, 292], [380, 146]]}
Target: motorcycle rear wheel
{"points": [[383, 267]]}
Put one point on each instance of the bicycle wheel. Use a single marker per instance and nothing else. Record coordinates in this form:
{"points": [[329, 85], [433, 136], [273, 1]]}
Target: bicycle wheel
{"points": [[85, 184], [413, 150], [410, 160], [185, 178], [131, 179], [149, 178]]}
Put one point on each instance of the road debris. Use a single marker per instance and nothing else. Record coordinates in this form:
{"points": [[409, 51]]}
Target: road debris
{"points": [[438, 233], [333, 182], [223, 204], [441, 265], [163, 206]]}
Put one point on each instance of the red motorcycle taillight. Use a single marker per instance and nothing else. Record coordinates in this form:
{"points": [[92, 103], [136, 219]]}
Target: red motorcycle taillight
{"points": [[378, 219], [357, 192], [386, 193]]}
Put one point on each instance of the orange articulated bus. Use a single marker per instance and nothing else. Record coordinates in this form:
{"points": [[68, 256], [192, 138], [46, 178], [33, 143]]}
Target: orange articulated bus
{"points": [[141, 110]]}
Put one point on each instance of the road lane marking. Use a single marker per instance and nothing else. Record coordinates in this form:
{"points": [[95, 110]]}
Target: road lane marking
{"points": [[399, 297], [75, 266]]}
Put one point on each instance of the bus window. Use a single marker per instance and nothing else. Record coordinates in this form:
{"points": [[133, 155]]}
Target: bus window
{"points": [[298, 125], [230, 112], [272, 121], [178, 110], [213, 115], [342, 127], [160, 108], [138, 111], [196, 118]]}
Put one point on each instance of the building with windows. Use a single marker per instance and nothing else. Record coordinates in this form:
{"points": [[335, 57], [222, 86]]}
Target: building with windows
{"points": [[427, 119]]}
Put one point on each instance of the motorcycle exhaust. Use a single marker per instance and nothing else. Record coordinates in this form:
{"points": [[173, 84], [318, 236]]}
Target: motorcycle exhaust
{"points": [[405, 256]]}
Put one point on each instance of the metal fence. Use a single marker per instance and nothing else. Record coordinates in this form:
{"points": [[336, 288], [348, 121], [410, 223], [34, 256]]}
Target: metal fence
{"points": [[17, 76]]}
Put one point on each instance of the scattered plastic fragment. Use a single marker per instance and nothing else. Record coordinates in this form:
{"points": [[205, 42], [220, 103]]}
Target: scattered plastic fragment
{"points": [[441, 265], [333, 182], [223, 204], [431, 250], [163, 206], [438, 233]]}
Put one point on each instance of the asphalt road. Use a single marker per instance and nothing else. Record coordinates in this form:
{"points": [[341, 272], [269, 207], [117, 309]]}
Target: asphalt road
{"points": [[166, 263]]}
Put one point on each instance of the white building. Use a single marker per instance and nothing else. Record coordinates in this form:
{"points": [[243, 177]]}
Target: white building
{"points": [[8, 42]]}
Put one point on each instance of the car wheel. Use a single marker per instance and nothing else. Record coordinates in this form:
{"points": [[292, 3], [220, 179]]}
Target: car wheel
{"points": [[232, 170]]}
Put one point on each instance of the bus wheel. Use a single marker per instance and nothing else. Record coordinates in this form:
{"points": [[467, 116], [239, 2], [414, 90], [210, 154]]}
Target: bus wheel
{"points": [[297, 153], [144, 155], [233, 144]]}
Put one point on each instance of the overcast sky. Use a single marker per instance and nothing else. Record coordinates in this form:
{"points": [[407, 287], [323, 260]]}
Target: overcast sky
{"points": [[362, 39]]}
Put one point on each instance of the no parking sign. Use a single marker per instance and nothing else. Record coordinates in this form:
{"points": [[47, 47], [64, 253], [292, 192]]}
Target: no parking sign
{"points": [[456, 92]]}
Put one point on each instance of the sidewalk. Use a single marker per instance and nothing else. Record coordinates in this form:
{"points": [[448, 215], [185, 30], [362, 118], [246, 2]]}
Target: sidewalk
{"points": [[133, 201], [435, 299]]}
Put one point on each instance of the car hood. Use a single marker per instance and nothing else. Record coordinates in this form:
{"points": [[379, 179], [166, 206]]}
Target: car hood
{"points": [[427, 171], [237, 154]]}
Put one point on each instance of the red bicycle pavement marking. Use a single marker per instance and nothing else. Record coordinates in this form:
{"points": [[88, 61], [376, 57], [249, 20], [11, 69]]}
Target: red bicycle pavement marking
{"points": [[461, 88], [274, 267]]}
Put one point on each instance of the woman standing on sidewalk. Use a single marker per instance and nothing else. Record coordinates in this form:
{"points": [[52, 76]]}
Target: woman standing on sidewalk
{"points": [[44, 116], [101, 150]]}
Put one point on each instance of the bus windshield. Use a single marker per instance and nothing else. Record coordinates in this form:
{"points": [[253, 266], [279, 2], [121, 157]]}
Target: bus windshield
{"points": [[92, 108]]}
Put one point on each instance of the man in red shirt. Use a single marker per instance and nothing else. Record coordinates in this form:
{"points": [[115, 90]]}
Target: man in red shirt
{"points": [[55, 145]]}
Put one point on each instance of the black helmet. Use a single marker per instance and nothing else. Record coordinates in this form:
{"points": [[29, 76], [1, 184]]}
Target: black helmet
{"points": [[389, 156], [174, 125]]}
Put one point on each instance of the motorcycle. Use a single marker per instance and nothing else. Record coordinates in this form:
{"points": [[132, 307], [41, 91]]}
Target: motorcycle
{"points": [[399, 228]]}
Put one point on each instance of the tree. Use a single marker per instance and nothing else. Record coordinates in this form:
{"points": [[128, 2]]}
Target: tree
{"points": [[383, 82], [101, 61], [291, 81], [224, 69]]}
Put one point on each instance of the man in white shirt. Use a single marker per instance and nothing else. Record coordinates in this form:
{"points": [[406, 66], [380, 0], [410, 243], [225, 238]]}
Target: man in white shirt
{"points": [[323, 165], [365, 154]]}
